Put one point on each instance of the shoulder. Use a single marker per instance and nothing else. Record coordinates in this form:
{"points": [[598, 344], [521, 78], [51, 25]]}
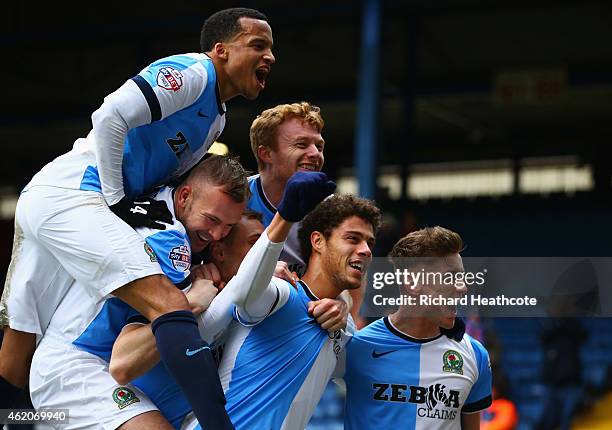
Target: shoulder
{"points": [[171, 73], [182, 62], [374, 330], [171, 249], [373, 334], [480, 352]]}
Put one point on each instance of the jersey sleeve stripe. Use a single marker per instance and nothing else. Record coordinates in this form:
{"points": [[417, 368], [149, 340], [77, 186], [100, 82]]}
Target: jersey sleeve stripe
{"points": [[150, 96], [477, 406]]}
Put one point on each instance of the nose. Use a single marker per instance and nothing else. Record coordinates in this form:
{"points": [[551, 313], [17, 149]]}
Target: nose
{"points": [[219, 232], [269, 57], [364, 250], [312, 151]]}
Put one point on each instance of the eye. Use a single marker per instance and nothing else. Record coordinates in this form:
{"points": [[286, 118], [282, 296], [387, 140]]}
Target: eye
{"points": [[212, 219]]}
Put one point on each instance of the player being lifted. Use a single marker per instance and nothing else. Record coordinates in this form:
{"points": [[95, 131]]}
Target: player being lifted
{"points": [[416, 366], [151, 130]]}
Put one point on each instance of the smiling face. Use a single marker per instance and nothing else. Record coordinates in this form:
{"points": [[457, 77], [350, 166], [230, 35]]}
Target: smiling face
{"points": [[207, 213], [248, 58], [347, 252], [299, 147]]}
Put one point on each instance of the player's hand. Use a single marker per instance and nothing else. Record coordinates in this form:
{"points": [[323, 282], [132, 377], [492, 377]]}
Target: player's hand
{"points": [[330, 314], [304, 191], [143, 212], [201, 294], [282, 271], [207, 271]]}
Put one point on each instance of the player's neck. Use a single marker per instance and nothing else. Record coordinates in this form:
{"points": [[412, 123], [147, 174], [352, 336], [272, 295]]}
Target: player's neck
{"points": [[273, 189], [320, 284], [417, 327], [227, 91]]}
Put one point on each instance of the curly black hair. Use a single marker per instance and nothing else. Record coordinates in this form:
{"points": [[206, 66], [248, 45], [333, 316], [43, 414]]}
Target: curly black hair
{"points": [[332, 212], [222, 26]]}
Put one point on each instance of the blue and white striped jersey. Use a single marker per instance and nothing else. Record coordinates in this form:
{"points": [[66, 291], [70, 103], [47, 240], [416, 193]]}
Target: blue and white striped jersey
{"points": [[274, 371], [393, 379], [260, 203], [94, 326], [173, 114]]}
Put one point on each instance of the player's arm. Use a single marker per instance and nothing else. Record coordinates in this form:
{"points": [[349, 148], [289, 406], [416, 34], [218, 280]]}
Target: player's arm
{"points": [[253, 293], [138, 102], [470, 421], [135, 351], [304, 190]]}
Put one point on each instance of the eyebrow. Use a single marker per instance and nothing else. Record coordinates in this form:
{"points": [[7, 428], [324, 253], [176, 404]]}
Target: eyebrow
{"points": [[211, 216], [257, 39], [360, 234]]}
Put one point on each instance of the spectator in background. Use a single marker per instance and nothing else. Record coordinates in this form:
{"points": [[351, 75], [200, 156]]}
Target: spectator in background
{"points": [[561, 339]]}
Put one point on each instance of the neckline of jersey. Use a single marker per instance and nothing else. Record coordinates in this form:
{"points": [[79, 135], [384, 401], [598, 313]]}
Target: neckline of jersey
{"points": [[263, 196], [307, 290], [220, 104], [404, 336]]}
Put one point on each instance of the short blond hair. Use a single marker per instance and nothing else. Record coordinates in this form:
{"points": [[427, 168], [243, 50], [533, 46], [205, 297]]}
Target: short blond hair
{"points": [[264, 127]]}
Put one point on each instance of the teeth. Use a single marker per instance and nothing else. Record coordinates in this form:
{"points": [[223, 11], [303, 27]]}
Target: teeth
{"points": [[308, 166], [356, 266]]}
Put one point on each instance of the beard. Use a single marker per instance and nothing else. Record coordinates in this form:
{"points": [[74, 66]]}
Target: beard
{"points": [[336, 271]]}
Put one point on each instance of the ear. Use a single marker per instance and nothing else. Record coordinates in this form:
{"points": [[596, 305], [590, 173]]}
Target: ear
{"points": [[183, 195], [264, 153], [317, 241], [412, 288], [220, 50]]}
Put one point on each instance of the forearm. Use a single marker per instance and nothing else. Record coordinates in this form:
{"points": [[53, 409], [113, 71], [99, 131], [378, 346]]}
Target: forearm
{"points": [[257, 268], [470, 421], [278, 230], [134, 353]]}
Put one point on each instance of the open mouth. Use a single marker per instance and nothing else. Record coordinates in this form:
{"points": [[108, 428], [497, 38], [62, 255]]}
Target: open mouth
{"points": [[261, 73], [357, 265], [202, 238], [310, 167]]}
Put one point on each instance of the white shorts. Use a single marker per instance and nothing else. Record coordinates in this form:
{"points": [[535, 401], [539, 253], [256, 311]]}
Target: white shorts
{"points": [[65, 377], [62, 235]]}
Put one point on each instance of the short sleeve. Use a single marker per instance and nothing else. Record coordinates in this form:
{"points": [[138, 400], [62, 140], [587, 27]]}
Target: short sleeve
{"points": [[172, 84], [480, 394], [173, 253]]}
